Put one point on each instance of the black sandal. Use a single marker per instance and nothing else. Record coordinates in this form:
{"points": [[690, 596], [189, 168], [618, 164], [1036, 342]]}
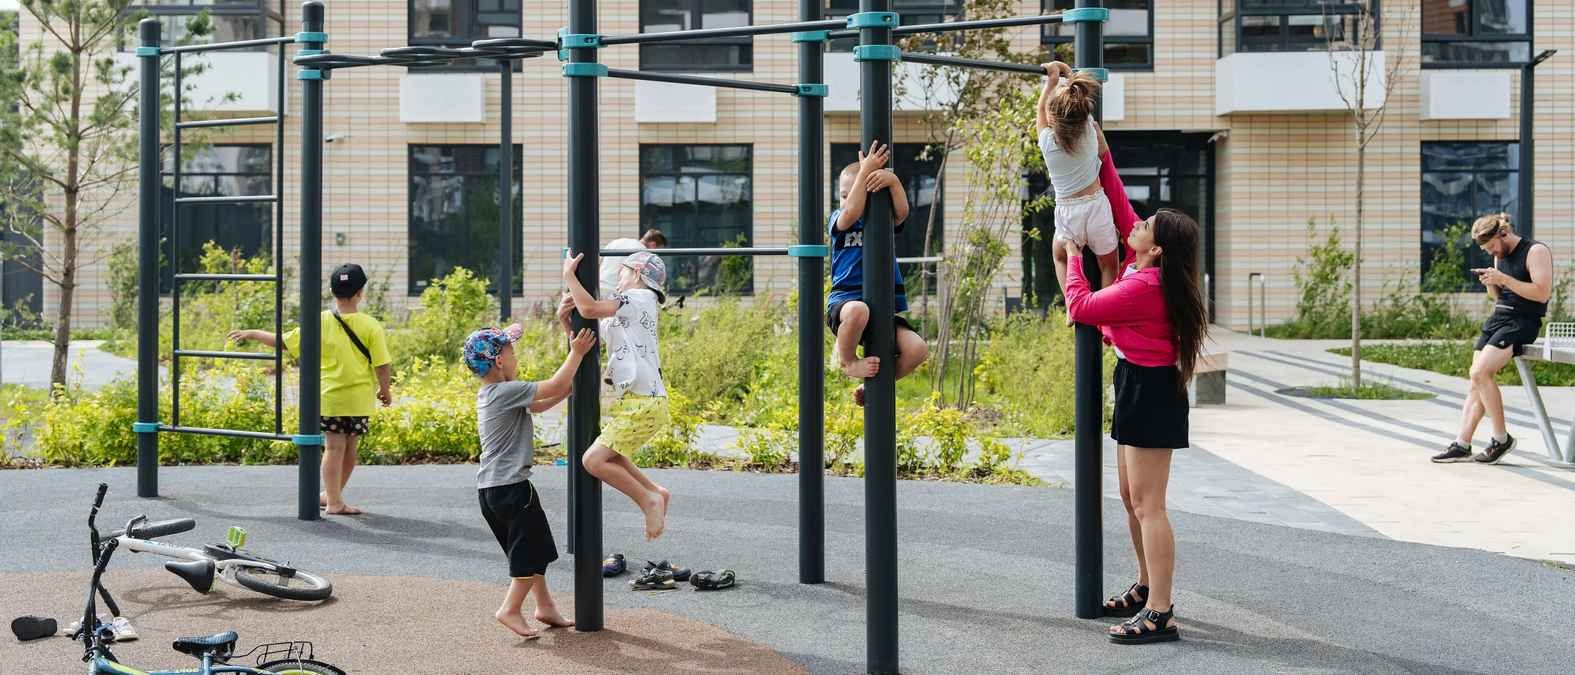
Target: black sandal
{"points": [[1135, 631], [1128, 603]]}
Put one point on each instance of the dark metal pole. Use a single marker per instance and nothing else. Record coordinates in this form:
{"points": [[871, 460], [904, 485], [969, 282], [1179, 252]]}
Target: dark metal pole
{"points": [[880, 392], [811, 337], [309, 432], [506, 191], [1527, 190], [1089, 391], [148, 187], [584, 406]]}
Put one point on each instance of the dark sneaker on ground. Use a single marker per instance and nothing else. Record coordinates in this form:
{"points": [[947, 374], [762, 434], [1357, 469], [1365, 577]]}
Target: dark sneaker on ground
{"points": [[1455, 453], [655, 580], [1495, 451], [679, 573]]}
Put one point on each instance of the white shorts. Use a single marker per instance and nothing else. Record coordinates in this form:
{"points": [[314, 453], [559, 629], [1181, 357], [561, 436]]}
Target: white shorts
{"points": [[1086, 221]]}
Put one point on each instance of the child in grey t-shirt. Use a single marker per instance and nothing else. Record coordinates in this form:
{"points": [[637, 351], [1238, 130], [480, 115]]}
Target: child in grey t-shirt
{"points": [[508, 501]]}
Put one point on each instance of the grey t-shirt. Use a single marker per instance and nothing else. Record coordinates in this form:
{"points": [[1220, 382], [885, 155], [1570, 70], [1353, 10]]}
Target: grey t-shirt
{"points": [[507, 438]]}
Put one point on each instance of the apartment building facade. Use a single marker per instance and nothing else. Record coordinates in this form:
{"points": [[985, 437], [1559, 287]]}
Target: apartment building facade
{"points": [[1222, 108]]}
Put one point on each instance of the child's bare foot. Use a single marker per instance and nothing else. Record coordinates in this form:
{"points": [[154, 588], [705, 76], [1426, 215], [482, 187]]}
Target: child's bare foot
{"points": [[667, 498], [322, 499], [858, 396], [342, 510], [552, 618], [515, 622], [859, 369], [655, 508]]}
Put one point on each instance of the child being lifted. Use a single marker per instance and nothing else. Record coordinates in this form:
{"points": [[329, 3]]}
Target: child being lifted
{"points": [[1072, 144]]}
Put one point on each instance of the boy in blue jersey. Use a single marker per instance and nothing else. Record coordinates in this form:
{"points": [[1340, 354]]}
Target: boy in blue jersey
{"points": [[847, 312]]}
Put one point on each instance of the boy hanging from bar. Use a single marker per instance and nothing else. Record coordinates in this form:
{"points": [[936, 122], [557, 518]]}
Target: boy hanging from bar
{"points": [[847, 310]]}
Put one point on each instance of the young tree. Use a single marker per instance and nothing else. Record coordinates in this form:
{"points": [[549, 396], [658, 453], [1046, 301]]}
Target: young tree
{"points": [[68, 145], [1358, 69]]}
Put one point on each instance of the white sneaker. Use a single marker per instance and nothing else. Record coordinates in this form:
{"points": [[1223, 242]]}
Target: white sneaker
{"points": [[120, 627]]}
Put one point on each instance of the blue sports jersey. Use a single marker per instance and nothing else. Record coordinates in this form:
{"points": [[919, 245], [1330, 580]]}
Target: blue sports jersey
{"points": [[847, 264]]}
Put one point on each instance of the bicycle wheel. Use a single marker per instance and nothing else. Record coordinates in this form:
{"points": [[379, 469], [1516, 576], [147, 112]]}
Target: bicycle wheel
{"points": [[302, 585], [299, 667]]}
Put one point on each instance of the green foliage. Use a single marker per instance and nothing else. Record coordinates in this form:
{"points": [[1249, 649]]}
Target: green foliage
{"points": [[1026, 372], [451, 307], [1323, 284], [1453, 357], [123, 275], [1369, 391], [713, 353]]}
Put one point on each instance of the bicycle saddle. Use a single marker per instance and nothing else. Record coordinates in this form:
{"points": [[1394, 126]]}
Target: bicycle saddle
{"points": [[218, 644], [158, 529], [198, 573]]}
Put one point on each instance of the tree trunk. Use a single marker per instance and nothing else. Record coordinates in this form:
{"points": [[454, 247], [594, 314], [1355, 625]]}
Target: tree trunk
{"points": [[68, 287], [73, 195], [1356, 265]]}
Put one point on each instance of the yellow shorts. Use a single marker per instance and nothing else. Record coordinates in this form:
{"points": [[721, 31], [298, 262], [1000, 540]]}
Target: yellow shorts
{"points": [[632, 421]]}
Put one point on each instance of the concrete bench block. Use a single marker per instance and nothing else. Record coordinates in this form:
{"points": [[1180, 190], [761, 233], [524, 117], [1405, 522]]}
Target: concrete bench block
{"points": [[1208, 379]]}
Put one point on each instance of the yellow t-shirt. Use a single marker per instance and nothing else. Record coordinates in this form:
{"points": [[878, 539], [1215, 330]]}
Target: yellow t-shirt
{"points": [[349, 385]]}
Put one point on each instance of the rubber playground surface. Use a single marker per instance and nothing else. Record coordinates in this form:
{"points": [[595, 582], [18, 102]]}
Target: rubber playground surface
{"points": [[986, 583]]}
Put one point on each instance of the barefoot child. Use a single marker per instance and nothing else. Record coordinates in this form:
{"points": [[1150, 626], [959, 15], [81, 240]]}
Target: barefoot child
{"points": [[1072, 145], [354, 359], [847, 313], [509, 502], [634, 372]]}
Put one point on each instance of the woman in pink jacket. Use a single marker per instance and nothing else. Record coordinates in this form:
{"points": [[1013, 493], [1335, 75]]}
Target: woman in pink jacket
{"points": [[1154, 318]]}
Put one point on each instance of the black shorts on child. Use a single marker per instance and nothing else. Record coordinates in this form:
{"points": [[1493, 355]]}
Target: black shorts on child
{"points": [[514, 513]]}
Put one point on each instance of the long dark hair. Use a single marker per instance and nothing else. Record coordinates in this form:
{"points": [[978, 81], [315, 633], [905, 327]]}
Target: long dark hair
{"points": [[1177, 235], [1071, 108]]}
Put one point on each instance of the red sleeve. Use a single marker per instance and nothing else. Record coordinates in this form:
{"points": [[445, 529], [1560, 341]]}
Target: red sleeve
{"points": [[1111, 306], [1120, 207]]}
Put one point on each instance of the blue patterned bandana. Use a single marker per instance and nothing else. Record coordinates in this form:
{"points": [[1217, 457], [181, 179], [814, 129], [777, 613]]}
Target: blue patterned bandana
{"points": [[483, 346]]}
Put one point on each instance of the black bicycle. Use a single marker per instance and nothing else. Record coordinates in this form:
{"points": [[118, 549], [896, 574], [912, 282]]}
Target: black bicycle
{"points": [[215, 652]]}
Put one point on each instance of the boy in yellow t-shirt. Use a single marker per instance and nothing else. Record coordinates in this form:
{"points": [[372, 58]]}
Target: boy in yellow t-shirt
{"points": [[354, 365]]}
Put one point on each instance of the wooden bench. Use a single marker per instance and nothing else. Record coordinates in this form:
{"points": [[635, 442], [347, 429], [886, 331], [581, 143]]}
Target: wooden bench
{"points": [[1208, 378], [1556, 346]]}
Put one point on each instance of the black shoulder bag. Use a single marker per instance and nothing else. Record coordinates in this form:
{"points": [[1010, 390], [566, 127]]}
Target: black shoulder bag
{"points": [[353, 339]]}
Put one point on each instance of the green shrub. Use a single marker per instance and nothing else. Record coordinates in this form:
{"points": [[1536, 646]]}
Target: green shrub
{"points": [[1027, 372], [1323, 284], [450, 308], [1453, 357]]}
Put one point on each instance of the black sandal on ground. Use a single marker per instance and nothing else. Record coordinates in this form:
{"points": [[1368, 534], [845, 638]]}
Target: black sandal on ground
{"points": [[1128, 603], [1135, 631]]}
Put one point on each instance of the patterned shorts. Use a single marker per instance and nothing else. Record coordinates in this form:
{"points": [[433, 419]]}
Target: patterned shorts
{"points": [[632, 421], [350, 426]]}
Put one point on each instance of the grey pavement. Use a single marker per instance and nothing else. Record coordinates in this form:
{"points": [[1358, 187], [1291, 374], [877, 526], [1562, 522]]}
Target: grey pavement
{"points": [[27, 362], [986, 573]]}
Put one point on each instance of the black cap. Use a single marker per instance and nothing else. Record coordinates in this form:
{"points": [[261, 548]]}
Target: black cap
{"points": [[347, 280]]}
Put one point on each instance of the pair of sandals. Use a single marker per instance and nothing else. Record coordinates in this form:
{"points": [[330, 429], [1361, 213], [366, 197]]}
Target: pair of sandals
{"points": [[663, 576], [660, 576], [1145, 625]]}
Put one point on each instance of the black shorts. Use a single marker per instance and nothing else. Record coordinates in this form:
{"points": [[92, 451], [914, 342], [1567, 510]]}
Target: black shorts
{"points": [[514, 513], [1507, 330], [1149, 411], [834, 321], [351, 426]]}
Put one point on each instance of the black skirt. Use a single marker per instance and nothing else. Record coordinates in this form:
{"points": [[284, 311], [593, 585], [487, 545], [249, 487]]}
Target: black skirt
{"points": [[520, 526], [1149, 411]]}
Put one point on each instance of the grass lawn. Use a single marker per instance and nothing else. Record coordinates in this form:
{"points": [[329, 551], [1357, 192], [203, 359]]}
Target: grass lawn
{"points": [[1454, 358], [1368, 392]]}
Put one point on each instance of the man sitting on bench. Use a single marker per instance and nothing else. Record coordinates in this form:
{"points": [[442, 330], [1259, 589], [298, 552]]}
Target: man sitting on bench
{"points": [[1520, 283]]}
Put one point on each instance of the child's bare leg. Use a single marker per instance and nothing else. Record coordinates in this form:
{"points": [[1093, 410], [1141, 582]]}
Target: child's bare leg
{"points": [[855, 316], [1107, 268], [332, 468], [912, 350], [513, 601], [1058, 254], [547, 610], [645, 481], [598, 460], [352, 448]]}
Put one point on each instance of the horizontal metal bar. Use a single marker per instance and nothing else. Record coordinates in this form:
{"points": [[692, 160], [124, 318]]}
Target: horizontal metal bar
{"points": [[515, 43], [223, 46], [926, 259], [239, 356], [665, 252], [737, 31], [938, 60], [701, 81], [234, 433], [226, 277], [227, 122], [951, 26], [427, 57], [228, 199]]}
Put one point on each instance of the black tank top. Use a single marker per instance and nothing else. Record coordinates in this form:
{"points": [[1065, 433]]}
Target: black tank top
{"points": [[1514, 265]]}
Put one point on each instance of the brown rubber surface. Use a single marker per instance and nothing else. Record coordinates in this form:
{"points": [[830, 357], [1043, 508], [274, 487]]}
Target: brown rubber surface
{"points": [[371, 625]]}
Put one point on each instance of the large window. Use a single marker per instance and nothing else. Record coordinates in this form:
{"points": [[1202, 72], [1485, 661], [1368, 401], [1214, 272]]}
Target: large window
{"points": [[1460, 182], [917, 171], [716, 54], [1287, 25], [232, 20], [910, 12], [701, 196], [457, 23], [1129, 35], [1475, 32], [216, 171], [454, 213]]}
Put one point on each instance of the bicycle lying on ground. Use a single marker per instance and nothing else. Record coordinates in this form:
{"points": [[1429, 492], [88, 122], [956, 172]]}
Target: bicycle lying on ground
{"points": [[215, 652]]}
